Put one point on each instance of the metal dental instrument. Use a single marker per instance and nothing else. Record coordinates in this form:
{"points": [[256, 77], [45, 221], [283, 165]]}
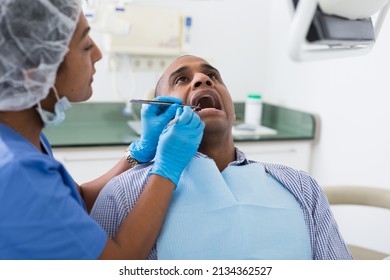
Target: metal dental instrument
{"points": [[144, 101]]}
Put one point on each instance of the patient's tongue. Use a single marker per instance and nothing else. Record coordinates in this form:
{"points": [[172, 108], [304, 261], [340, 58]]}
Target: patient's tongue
{"points": [[206, 102]]}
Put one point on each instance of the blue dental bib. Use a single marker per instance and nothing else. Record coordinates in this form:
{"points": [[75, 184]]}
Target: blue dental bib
{"points": [[241, 213]]}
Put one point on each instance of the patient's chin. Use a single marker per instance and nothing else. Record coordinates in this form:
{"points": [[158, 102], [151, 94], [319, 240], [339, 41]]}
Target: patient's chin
{"points": [[214, 126]]}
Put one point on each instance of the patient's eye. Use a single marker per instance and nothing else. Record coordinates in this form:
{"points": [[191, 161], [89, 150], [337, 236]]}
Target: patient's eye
{"points": [[180, 80], [213, 76]]}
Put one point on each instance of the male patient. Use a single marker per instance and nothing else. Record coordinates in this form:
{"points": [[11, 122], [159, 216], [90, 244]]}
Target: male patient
{"points": [[226, 206]]}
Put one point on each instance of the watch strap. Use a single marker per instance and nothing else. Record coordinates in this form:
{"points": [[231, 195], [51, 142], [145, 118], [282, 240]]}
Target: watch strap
{"points": [[132, 161]]}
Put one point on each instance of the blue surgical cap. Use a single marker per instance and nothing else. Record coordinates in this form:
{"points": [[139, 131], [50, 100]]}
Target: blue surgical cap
{"points": [[34, 39]]}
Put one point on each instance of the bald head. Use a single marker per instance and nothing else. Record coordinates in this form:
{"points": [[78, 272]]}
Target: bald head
{"points": [[185, 59]]}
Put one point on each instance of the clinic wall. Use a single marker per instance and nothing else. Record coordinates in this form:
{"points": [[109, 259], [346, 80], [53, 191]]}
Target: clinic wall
{"points": [[351, 96], [230, 34]]}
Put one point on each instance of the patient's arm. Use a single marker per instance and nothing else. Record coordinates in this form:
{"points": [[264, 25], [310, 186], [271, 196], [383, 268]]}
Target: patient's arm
{"points": [[90, 190]]}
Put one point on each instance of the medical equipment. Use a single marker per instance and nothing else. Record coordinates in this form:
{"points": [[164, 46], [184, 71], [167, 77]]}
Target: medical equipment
{"points": [[144, 101], [139, 30], [137, 39], [325, 29]]}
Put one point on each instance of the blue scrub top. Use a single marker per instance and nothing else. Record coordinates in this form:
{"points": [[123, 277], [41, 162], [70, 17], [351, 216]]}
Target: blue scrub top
{"points": [[42, 215]]}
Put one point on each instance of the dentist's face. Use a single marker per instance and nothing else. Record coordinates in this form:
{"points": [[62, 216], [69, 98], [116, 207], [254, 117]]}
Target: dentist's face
{"points": [[196, 82], [75, 75]]}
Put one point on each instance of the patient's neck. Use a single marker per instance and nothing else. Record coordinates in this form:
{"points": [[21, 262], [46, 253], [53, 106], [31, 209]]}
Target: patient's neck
{"points": [[220, 149]]}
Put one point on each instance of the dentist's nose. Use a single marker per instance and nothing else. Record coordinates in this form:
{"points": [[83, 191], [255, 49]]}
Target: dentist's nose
{"points": [[202, 79]]}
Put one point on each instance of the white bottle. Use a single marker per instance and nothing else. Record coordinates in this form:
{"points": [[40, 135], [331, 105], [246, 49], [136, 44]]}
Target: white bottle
{"points": [[253, 109], [186, 41]]}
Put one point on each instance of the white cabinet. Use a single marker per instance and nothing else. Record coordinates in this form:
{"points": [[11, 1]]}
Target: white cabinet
{"points": [[88, 163], [295, 154]]}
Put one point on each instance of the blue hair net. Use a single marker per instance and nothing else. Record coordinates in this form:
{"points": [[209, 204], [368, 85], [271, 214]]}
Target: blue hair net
{"points": [[34, 38]]}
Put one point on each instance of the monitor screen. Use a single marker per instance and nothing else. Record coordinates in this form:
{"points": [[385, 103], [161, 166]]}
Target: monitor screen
{"points": [[334, 30]]}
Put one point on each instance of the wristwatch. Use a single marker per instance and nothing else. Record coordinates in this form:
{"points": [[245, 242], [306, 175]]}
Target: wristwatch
{"points": [[132, 161]]}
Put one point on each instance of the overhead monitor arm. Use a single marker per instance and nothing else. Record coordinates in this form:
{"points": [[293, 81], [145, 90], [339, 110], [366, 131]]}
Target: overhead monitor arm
{"points": [[316, 35]]}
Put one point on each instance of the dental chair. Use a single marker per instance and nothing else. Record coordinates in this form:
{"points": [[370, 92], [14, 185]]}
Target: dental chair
{"points": [[360, 196]]}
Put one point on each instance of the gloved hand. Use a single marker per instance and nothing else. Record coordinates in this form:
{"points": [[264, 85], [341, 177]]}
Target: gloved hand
{"points": [[153, 120], [177, 144]]}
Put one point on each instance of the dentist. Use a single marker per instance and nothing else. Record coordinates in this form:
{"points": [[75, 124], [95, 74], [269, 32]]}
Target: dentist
{"points": [[47, 61]]}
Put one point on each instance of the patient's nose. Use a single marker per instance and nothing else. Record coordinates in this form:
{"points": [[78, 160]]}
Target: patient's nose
{"points": [[202, 79]]}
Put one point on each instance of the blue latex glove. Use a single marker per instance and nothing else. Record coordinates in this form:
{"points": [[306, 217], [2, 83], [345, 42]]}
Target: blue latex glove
{"points": [[177, 144], [153, 120]]}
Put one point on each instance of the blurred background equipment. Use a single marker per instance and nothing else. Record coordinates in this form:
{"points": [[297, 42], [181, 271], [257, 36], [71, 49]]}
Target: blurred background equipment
{"points": [[324, 29]]}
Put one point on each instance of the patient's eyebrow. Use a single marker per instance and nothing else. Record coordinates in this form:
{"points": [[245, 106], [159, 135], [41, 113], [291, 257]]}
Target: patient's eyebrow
{"points": [[178, 71], [182, 69], [209, 67]]}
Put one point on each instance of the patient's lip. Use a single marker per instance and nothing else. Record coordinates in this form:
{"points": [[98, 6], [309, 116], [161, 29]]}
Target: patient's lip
{"points": [[206, 99]]}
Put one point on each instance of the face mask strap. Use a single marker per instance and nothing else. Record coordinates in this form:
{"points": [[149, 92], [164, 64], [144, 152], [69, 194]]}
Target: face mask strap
{"points": [[60, 106], [39, 106], [56, 95]]}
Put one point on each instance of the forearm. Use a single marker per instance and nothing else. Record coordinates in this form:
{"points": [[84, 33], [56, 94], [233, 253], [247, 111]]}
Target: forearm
{"points": [[139, 231], [91, 190]]}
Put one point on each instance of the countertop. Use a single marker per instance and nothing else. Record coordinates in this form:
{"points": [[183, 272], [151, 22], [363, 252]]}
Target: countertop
{"points": [[105, 124]]}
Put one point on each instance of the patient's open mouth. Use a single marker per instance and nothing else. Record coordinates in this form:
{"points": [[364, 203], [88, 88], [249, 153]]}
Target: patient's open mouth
{"points": [[206, 100]]}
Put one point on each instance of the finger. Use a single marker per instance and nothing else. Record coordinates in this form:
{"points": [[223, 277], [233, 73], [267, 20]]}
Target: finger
{"points": [[186, 116], [157, 110], [200, 126], [169, 99], [196, 131], [150, 110], [195, 122], [169, 112], [179, 111], [163, 108]]}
